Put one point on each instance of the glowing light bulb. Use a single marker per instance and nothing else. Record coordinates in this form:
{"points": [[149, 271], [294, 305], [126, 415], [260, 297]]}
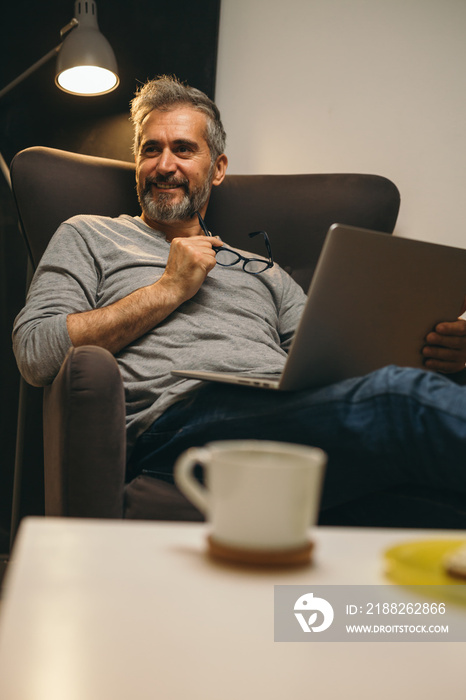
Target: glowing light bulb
{"points": [[87, 80]]}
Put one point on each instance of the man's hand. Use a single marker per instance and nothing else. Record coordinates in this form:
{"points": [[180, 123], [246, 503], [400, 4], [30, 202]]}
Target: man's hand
{"points": [[189, 262], [445, 349]]}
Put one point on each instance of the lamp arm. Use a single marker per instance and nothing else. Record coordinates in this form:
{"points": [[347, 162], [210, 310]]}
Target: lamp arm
{"points": [[30, 70], [51, 54]]}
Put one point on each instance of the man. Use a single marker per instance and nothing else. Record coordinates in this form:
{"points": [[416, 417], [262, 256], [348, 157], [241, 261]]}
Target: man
{"points": [[149, 290]]}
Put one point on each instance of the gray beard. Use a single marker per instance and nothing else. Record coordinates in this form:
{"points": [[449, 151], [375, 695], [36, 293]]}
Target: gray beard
{"points": [[164, 210]]}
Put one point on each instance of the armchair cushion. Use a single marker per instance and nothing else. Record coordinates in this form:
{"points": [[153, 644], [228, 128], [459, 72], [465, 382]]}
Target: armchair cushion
{"points": [[84, 436]]}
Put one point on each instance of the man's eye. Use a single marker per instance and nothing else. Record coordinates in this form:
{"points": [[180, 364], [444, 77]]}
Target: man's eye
{"points": [[184, 150]]}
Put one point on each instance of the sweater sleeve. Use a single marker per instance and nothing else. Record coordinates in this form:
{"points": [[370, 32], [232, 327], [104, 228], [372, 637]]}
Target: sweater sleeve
{"points": [[291, 307], [66, 281]]}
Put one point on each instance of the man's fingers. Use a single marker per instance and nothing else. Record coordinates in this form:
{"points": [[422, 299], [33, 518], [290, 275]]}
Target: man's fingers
{"points": [[463, 308], [443, 359], [455, 342], [443, 367], [193, 242], [457, 327], [192, 249]]}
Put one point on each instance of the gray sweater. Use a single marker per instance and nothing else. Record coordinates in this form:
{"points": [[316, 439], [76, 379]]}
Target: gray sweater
{"points": [[235, 322]]}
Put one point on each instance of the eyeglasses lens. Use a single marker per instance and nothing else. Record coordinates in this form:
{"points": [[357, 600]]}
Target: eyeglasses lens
{"points": [[226, 257], [256, 266]]}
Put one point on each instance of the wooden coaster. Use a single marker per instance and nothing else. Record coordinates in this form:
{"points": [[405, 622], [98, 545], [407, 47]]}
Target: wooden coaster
{"points": [[261, 557]]}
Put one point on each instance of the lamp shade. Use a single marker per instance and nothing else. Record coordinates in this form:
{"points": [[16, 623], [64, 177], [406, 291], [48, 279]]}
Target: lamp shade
{"points": [[86, 64]]}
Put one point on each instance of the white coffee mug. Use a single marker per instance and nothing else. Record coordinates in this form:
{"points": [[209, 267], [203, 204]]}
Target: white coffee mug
{"points": [[258, 495]]}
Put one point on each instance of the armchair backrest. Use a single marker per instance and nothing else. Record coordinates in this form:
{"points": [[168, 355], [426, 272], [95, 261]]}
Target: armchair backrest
{"points": [[51, 185]]}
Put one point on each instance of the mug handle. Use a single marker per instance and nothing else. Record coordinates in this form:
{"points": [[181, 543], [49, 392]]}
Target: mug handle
{"points": [[185, 480]]}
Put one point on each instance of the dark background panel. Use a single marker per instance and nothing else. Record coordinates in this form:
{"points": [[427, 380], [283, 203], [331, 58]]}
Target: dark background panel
{"points": [[148, 39]]}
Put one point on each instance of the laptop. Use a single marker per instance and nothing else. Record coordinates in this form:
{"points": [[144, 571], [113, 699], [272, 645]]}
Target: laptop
{"points": [[371, 302]]}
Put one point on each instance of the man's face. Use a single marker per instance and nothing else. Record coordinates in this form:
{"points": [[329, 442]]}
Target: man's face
{"points": [[174, 169]]}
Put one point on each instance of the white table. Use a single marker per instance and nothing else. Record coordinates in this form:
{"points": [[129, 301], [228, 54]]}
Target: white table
{"points": [[110, 610]]}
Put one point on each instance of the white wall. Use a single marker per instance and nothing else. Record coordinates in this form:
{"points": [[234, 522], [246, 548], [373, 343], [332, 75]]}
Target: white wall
{"points": [[376, 86]]}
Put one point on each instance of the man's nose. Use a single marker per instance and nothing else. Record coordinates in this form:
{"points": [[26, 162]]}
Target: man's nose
{"points": [[167, 162]]}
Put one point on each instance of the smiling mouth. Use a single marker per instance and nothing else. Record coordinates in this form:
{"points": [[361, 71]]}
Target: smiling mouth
{"points": [[167, 185]]}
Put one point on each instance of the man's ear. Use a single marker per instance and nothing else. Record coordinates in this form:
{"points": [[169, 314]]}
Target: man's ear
{"points": [[220, 170]]}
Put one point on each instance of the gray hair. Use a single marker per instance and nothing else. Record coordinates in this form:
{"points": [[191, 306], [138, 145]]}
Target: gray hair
{"points": [[165, 93]]}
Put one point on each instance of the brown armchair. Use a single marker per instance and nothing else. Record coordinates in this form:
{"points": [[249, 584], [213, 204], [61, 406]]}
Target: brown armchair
{"points": [[83, 410]]}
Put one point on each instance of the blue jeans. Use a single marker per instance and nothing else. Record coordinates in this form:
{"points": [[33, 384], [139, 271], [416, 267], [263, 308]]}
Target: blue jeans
{"points": [[393, 427]]}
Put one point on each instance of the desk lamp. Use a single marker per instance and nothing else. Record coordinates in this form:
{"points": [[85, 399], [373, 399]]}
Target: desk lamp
{"points": [[86, 64]]}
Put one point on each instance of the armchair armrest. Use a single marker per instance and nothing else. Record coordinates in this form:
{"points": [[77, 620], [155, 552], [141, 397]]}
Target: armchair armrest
{"points": [[84, 437]]}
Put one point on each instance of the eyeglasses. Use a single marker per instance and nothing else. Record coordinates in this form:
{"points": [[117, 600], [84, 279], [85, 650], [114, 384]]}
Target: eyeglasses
{"points": [[226, 257]]}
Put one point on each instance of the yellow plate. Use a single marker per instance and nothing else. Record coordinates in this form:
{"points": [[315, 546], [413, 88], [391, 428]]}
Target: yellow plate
{"points": [[421, 563]]}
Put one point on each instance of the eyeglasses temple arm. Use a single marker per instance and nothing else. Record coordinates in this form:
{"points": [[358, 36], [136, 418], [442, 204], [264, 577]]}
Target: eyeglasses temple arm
{"points": [[266, 240], [202, 225]]}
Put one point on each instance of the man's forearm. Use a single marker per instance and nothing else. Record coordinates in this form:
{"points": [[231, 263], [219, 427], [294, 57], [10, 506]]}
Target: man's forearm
{"points": [[116, 326]]}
